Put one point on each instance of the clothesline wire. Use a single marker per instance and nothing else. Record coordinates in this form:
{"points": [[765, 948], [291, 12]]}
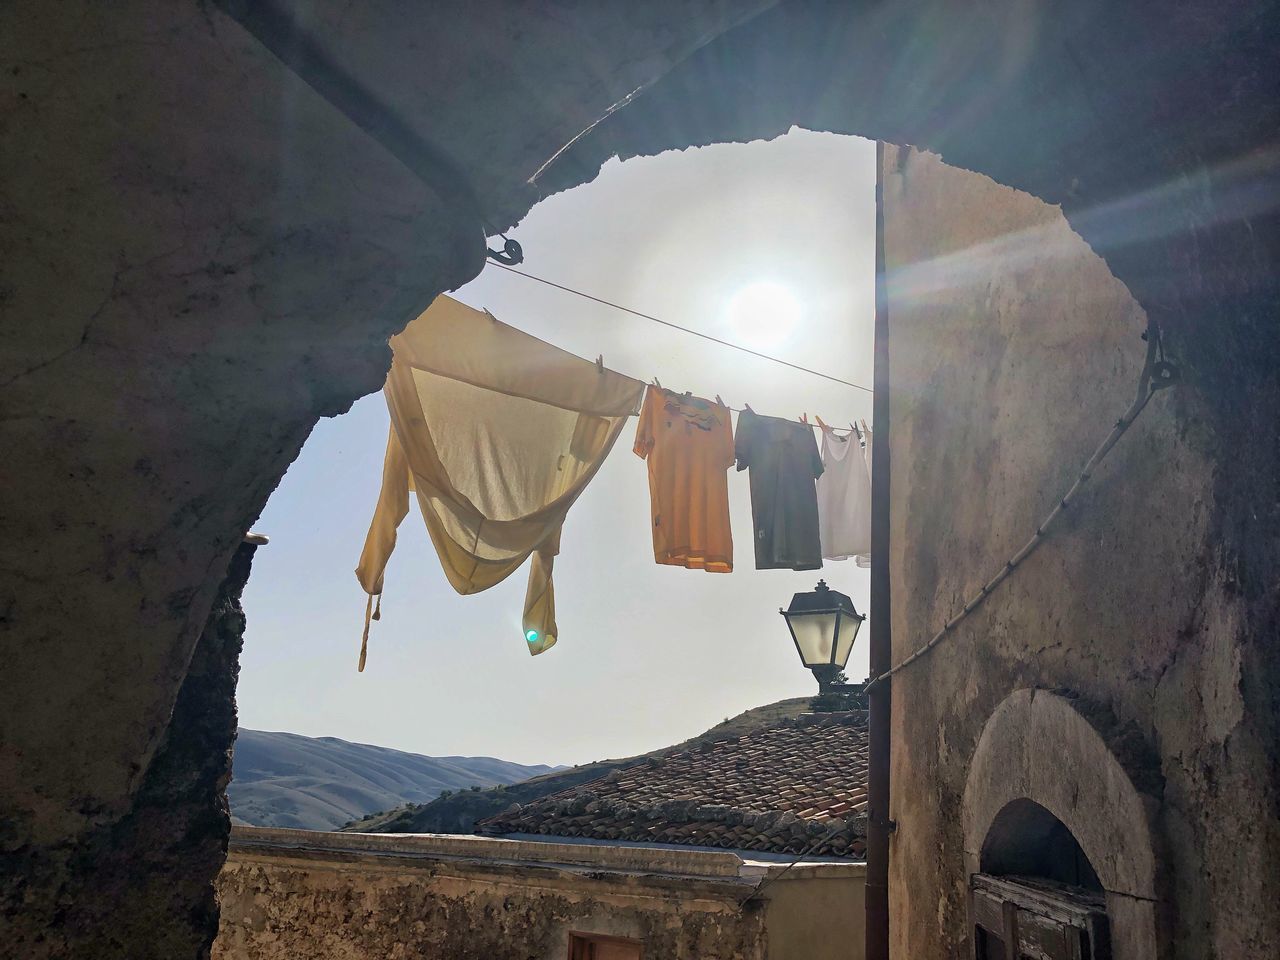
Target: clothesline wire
{"points": [[817, 426], [690, 330]]}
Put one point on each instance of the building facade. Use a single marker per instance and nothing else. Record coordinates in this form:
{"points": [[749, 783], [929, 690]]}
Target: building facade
{"points": [[1097, 704], [294, 893], [742, 846]]}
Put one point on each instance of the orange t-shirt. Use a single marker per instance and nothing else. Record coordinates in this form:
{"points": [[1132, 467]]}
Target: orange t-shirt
{"points": [[689, 444]]}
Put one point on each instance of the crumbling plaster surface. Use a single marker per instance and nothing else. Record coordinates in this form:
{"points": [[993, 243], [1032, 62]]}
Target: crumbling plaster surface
{"points": [[1087, 787], [445, 898], [199, 257], [1013, 351], [280, 911]]}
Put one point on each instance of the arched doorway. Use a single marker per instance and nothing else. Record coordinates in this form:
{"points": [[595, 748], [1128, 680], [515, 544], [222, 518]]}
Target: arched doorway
{"points": [[1056, 833]]}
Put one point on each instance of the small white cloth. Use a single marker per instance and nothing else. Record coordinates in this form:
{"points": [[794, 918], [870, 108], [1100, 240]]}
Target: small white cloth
{"points": [[844, 499]]}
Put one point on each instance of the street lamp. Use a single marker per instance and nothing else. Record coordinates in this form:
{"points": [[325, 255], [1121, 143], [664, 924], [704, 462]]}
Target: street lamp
{"points": [[823, 624]]}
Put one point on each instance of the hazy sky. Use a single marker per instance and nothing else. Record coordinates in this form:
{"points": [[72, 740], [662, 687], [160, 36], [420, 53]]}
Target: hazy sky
{"points": [[647, 655]]}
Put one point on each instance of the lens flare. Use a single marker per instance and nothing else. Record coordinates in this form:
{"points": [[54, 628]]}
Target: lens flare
{"points": [[763, 314]]}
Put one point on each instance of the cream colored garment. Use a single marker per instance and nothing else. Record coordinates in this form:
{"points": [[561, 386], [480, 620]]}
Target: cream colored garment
{"points": [[497, 433]]}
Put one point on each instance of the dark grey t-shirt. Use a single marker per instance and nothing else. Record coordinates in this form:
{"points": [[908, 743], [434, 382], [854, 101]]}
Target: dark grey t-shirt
{"points": [[784, 461]]}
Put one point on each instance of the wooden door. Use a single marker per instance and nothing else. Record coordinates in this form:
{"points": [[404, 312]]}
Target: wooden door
{"points": [[583, 946], [1032, 919]]}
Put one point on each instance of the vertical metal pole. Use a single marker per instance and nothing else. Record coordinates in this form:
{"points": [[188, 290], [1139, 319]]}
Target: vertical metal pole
{"points": [[880, 698]]}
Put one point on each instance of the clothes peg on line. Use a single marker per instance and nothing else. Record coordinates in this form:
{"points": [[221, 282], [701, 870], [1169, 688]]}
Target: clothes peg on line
{"points": [[657, 383], [749, 410], [719, 401], [600, 363]]}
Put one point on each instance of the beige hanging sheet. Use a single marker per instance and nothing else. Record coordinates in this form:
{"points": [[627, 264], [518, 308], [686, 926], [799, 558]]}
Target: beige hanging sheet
{"points": [[497, 433]]}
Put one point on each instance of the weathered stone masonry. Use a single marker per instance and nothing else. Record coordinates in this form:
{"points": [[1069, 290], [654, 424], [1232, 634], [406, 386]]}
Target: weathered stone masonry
{"points": [[291, 893], [200, 256]]}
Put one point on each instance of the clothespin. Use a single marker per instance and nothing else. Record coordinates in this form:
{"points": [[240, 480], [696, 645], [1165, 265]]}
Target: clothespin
{"points": [[804, 418], [749, 410], [822, 426], [600, 363], [865, 428], [719, 401], [657, 383], [854, 427]]}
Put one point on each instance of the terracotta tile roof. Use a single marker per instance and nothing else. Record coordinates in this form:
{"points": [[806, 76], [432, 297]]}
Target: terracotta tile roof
{"points": [[778, 789]]}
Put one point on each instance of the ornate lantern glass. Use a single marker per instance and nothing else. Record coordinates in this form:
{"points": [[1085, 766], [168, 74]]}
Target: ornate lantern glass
{"points": [[823, 625]]}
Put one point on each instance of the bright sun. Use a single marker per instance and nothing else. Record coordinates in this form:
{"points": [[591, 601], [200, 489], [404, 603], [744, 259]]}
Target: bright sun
{"points": [[763, 314]]}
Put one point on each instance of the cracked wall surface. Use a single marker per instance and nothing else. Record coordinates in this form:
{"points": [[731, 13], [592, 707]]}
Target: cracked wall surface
{"points": [[116, 895], [1013, 352], [297, 893], [278, 906], [200, 255], [200, 258], [1102, 783]]}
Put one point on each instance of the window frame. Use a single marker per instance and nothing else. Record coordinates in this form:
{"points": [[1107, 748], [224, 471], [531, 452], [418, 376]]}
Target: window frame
{"points": [[1073, 915], [588, 939]]}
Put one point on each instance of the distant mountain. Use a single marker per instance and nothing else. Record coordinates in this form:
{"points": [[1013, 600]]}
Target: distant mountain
{"points": [[459, 812], [322, 783]]}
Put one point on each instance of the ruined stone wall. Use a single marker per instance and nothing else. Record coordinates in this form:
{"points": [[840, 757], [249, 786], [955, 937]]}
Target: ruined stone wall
{"points": [[339, 896], [1013, 350], [278, 906], [281, 912]]}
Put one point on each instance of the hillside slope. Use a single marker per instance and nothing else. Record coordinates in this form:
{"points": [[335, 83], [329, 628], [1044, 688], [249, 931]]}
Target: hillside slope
{"points": [[321, 783], [459, 812]]}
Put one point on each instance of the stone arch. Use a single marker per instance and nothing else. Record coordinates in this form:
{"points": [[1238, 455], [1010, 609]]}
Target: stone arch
{"points": [[1025, 839], [229, 218], [1043, 747]]}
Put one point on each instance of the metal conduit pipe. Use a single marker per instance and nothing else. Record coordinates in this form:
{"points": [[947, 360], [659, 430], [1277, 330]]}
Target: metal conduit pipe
{"points": [[880, 697]]}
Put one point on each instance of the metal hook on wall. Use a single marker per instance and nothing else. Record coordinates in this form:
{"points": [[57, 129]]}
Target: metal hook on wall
{"points": [[509, 255]]}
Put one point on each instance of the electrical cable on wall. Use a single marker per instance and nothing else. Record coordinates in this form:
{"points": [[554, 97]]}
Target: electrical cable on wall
{"points": [[1157, 373]]}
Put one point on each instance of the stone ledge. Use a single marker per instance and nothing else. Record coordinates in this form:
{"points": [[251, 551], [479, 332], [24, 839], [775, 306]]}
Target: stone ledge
{"points": [[691, 863]]}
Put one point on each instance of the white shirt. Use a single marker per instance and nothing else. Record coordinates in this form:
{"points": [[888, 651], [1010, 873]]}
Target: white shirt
{"points": [[844, 500]]}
